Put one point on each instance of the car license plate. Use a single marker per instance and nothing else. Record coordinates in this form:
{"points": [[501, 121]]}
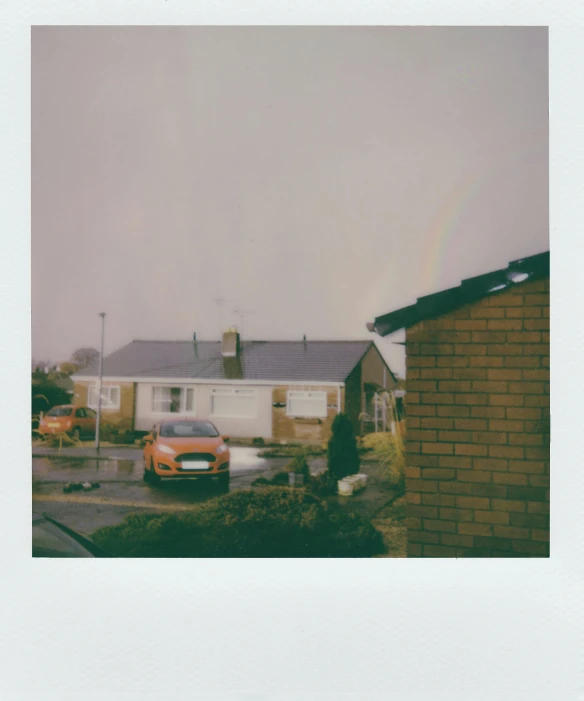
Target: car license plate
{"points": [[53, 425], [194, 465]]}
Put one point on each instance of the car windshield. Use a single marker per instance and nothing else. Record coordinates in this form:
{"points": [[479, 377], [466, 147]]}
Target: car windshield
{"points": [[50, 541], [188, 429], [60, 411]]}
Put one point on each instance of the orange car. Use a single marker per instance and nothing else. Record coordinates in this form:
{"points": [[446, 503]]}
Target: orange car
{"points": [[182, 448], [75, 420]]}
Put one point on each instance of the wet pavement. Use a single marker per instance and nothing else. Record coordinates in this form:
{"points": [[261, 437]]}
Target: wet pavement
{"points": [[122, 490]]}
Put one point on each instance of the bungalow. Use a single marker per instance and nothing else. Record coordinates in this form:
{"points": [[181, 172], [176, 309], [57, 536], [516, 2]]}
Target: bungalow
{"points": [[276, 390], [478, 414]]}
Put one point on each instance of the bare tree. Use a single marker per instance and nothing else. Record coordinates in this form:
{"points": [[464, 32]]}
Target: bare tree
{"points": [[83, 357]]}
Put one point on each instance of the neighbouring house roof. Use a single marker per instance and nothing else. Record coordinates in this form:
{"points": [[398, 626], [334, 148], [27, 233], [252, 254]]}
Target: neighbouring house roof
{"points": [[313, 361], [470, 290]]}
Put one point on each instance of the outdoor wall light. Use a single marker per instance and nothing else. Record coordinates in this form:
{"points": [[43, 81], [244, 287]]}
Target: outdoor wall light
{"points": [[517, 277]]}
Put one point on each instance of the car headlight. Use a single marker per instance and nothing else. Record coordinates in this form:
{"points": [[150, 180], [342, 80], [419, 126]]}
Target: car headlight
{"points": [[166, 449], [221, 449]]}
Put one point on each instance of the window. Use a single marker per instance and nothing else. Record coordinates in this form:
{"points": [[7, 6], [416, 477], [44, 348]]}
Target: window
{"points": [[110, 397], [173, 400], [80, 413], [235, 403], [60, 411], [188, 429], [306, 404]]}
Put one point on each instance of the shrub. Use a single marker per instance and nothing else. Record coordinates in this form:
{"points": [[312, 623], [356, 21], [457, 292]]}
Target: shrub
{"points": [[299, 464], [258, 442], [322, 485], [261, 482], [388, 448], [280, 478], [264, 522], [343, 458]]}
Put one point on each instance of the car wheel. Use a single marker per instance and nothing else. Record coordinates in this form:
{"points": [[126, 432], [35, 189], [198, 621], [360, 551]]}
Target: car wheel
{"points": [[224, 483], [147, 474], [154, 478], [77, 433]]}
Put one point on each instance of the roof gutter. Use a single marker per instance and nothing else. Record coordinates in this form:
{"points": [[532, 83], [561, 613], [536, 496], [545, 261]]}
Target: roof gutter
{"points": [[205, 381]]}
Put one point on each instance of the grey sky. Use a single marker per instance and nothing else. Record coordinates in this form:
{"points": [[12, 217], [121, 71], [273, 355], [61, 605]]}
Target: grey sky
{"points": [[315, 176]]}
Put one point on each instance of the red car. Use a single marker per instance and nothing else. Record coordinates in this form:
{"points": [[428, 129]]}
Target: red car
{"points": [[78, 421], [190, 448]]}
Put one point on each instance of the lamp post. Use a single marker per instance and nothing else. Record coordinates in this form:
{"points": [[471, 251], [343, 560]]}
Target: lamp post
{"points": [[102, 315]]}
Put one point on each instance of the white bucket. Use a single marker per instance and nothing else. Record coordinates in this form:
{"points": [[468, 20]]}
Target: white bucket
{"points": [[345, 488]]}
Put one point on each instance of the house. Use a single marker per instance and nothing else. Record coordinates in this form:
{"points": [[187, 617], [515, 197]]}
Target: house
{"points": [[276, 390], [477, 414]]}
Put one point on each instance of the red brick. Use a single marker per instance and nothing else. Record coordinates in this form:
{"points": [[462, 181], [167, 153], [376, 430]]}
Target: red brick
{"points": [[506, 299], [413, 498], [413, 361], [470, 324], [439, 551], [418, 435], [455, 461], [454, 436], [511, 532], [474, 476], [522, 413], [529, 493], [457, 514], [470, 424], [540, 300], [486, 489], [452, 539], [412, 446], [475, 529], [453, 411], [490, 464], [521, 361], [413, 472], [420, 386], [527, 467], [455, 386], [438, 473], [437, 448], [413, 523], [505, 451], [540, 535], [488, 412], [421, 410], [528, 546], [491, 387], [536, 349], [536, 324], [538, 507], [439, 525], [471, 449], [523, 337], [508, 505], [506, 400], [503, 374], [505, 324], [505, 349], [469, 374], [436, 349], [443, 323], [489, 437], [541, 374], [506, 425], [455, 487], [498, 517], [472, 502], [452, 362], [537, 400], [436, 373], [526, 387], [423, 537], [489, 544], [531, 520], [422, 511], [471, 399], [487, 312], [437, 423], [508, 478], [414, 550], [438, 499], [413, 422], [488, 337], [524, 312], [539, 480], [417, 460], [412, 398], [486, 361], [525, 439], [419, 485], [467, 349]]}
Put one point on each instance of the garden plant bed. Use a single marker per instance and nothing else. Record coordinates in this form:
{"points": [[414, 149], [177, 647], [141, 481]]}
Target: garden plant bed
{"points": [[390, 521]]}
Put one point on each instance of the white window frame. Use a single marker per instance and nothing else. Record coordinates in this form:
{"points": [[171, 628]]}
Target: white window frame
{"points": [[230, 392], [291, 394], [106, 402], [183, 400]]}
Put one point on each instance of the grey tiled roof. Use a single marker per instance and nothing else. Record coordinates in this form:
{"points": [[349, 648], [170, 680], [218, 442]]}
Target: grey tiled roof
{"points": [[325, 361]]}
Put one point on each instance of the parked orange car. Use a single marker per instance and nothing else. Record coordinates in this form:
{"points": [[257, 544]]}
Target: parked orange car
{"points": [[76, 420], [190, 448]]}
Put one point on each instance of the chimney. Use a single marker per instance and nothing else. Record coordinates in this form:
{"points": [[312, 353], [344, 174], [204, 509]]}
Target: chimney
{"points": [[304, 340], [231, 344], [194, 337]]}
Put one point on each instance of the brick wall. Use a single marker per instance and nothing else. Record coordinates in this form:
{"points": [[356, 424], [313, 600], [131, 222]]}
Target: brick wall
{"points": [[478, 428]]}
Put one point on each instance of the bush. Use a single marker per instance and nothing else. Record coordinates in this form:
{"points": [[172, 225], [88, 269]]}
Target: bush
{"points": [[322, 485], [258, 442], [280, 478], [261, 482], [299, 464], [343, 457], [388, 448], [264, 522]]}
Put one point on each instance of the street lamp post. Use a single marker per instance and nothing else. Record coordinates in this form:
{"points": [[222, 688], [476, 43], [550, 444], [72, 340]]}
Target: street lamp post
{"points": [[102, 315]]}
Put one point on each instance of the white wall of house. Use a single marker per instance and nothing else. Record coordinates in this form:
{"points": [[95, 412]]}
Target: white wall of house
{"points": [[243, 411]]}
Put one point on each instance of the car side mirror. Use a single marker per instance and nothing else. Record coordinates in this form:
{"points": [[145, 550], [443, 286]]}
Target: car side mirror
{"points": [[226, 439], [148, 438]]}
